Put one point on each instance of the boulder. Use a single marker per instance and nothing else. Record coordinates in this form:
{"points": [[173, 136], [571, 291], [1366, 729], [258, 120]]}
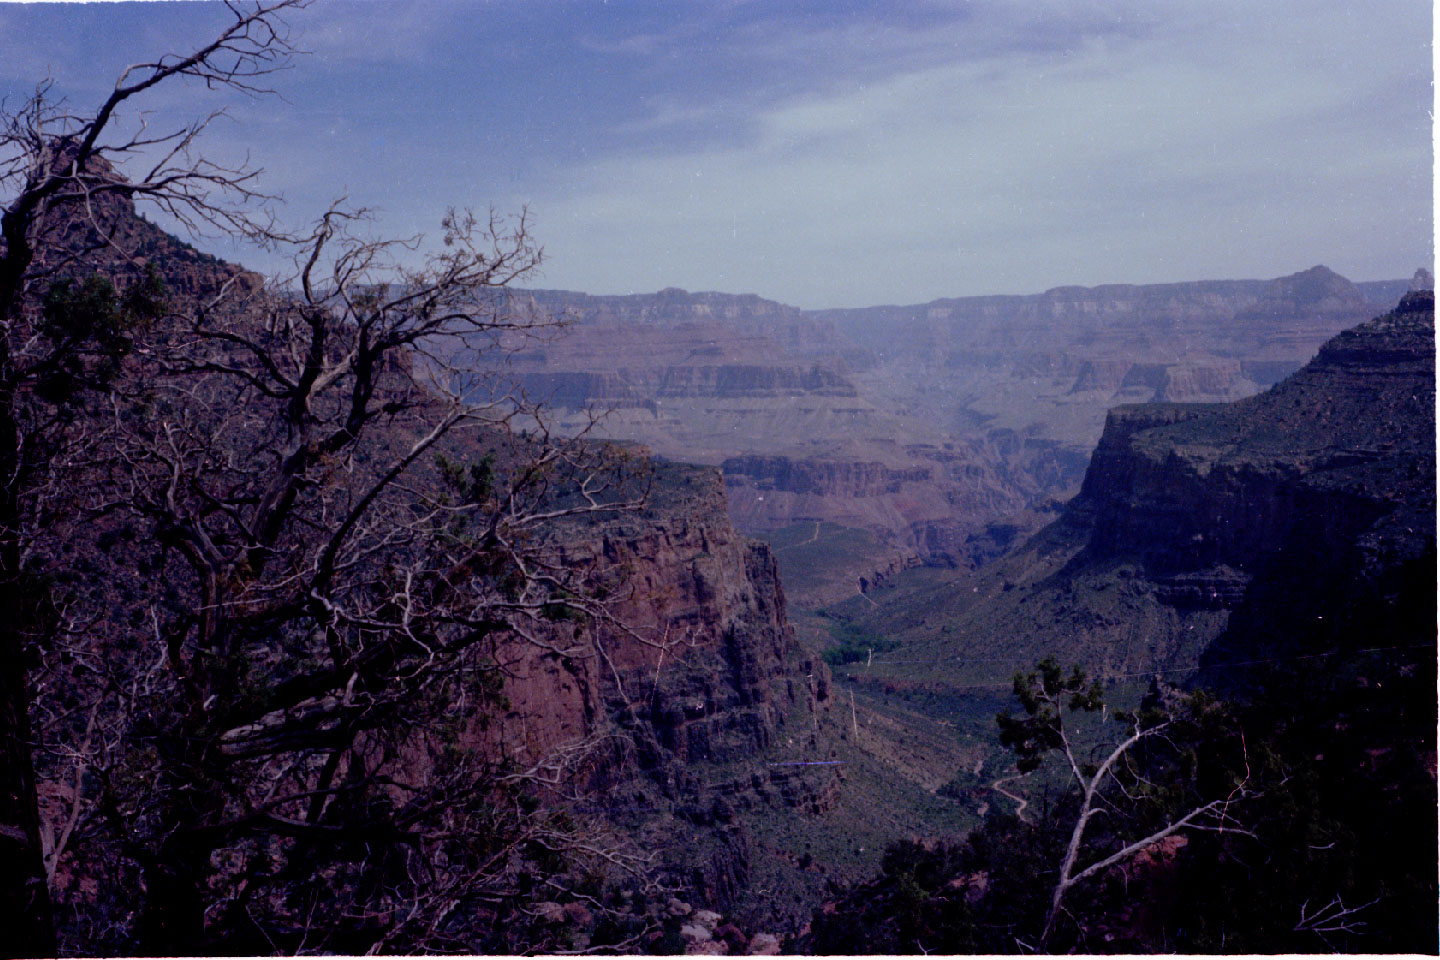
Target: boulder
{"points": [[695, 932], [764, 945]]}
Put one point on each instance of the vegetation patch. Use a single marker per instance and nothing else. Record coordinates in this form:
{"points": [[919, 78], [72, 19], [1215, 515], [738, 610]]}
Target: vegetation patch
{"points": [[854, 644]]}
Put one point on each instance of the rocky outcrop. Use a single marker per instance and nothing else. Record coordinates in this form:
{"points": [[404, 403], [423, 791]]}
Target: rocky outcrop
{"points": [[695, 685], [1317, 460], [1298, 519], [649, 388], [1169, 382], [123, 246], [936, 503], [1320, 490], [700, 664]]}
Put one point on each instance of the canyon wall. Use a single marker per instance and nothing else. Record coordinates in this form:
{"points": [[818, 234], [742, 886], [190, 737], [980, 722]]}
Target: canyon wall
{"points": [[697, 699], [1316, 460], [699, 652], [1299, 519], [922, 425]]}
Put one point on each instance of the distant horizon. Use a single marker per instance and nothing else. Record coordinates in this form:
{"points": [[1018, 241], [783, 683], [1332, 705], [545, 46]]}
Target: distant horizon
{"points": [[826, 152], [532, 288]]}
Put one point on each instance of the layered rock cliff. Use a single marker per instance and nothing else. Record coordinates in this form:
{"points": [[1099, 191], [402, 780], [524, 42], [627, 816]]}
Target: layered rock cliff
{"points": [[1053, 363], [699, 650], [697, 687], [1302, 517], [1312, 463], [805, 408]]}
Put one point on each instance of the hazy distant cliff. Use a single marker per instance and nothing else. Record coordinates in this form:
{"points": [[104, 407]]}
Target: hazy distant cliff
{"points": [[1293, 517], [973, 410]]}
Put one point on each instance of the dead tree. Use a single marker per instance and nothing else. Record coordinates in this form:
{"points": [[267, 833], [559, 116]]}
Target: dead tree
{"points": [[297, 556], [53, 163], [341, 601], [1117, 783]]}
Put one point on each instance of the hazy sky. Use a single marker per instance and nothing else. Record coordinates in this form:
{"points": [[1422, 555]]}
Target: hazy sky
{"points": [[833, 153]]}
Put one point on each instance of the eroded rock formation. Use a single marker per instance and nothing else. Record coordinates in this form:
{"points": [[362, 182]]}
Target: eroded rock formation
{"points": [[918, 425], [1299, 517]]}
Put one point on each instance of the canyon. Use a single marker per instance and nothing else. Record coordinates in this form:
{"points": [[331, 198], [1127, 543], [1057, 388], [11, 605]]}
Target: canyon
{"points": [[922, 486], [1193, 517], [1277, 551], [937, 433]]}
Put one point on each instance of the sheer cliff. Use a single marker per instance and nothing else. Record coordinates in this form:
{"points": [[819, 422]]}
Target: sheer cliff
{"points": [[975, 411], [696, 670], [1299, 517]]}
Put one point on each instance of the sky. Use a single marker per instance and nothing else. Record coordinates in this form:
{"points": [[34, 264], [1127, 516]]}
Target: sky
{"points": [[826, 153]]}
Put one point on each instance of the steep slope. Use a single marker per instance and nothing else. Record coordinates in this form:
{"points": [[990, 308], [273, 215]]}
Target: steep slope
{"points": [[667, 710], [1320, 490], [1279, 551], [915, 429]]}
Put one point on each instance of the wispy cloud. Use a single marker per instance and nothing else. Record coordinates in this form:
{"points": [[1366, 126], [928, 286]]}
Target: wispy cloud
{"points": [[1105, 150], [372, 31], [836, 151]]}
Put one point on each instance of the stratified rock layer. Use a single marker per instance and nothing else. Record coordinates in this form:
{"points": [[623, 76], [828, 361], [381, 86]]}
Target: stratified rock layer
{"points": [[694, 686], [1320, 457], [919, 426], [1303, 517]]}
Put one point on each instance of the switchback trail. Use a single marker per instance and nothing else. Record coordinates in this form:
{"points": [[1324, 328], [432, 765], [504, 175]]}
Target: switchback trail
{"points": [[1021, 802]]}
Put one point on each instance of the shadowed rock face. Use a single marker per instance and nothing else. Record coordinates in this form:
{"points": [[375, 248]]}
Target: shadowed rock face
{"points": [[1320, 458], [107, 235], [1302, 518], [1321, 489], [919, 425], [694, 681]]}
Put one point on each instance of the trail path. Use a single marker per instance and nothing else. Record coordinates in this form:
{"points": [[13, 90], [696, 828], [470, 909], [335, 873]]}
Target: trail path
{"points": [[813, 537], [1021, 802]]}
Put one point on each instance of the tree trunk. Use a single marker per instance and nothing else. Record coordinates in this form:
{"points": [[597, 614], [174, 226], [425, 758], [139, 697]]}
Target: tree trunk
{"points": [[172, 922], [25, 910]]}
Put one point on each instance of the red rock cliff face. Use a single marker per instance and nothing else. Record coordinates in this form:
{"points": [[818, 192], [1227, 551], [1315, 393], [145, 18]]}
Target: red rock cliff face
{"points": [[700, 665]]}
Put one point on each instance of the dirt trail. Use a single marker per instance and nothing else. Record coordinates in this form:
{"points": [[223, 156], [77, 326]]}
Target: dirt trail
{"points": [[1021, 802], [813, 537]]}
